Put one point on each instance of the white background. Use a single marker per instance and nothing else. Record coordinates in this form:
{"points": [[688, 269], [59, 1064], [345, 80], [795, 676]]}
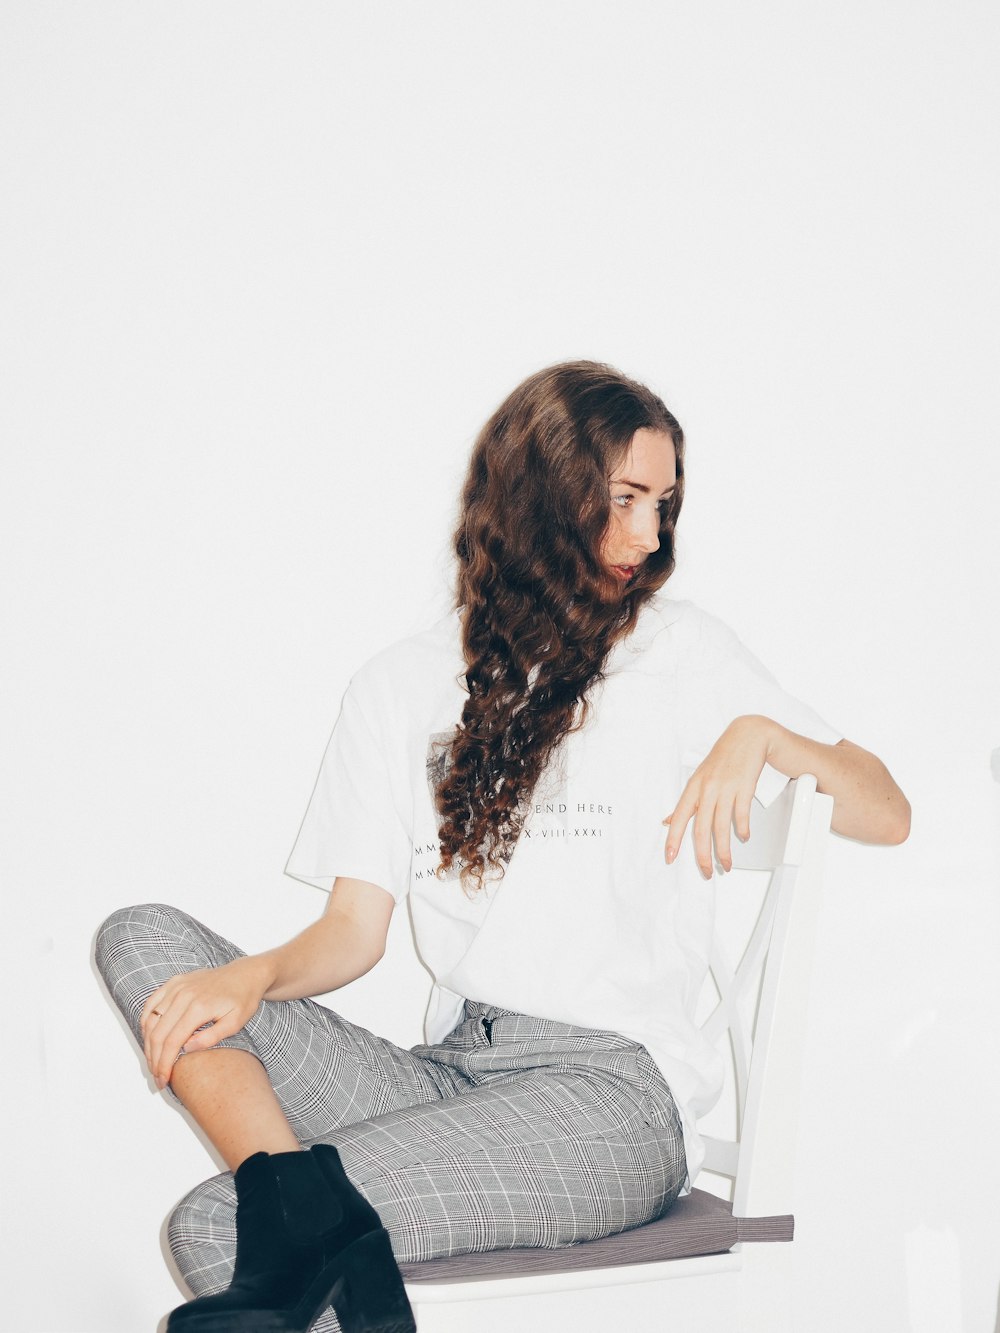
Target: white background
{"points": [[266, 269]]}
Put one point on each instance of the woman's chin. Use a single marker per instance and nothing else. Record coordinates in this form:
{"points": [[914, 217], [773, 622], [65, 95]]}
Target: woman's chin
{"points": [[613, 586]]}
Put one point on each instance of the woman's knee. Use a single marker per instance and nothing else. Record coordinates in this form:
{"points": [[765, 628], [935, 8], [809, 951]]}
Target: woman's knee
{"points": [[201, 1230], [130, 928]]}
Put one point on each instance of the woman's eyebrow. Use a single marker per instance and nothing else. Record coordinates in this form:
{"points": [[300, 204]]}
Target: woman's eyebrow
{"points": [[638, 486]]}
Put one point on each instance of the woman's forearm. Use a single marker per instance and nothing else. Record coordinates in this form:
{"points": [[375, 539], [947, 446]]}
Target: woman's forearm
{"points": [[193, 1011], [325, 956], [345, 943], [868, 805]]}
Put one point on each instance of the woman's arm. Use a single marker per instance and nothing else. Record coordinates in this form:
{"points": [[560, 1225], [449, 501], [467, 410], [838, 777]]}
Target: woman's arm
{"points": [[345, 943], [867, 803]]}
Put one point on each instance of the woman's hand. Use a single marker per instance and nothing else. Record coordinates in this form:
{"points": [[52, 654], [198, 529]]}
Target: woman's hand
{"points": [[345, 943], [224, 996], [868, 805], [719, 793]]}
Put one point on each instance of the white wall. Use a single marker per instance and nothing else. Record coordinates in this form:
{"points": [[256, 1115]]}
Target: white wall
{"points": [[266, 270]]}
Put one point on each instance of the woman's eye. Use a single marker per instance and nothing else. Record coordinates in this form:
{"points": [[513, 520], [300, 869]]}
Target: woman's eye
{"points": [[623, 500]]}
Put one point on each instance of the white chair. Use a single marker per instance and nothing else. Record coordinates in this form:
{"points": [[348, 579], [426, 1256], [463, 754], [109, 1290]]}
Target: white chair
{"points": [[701, 1267]]}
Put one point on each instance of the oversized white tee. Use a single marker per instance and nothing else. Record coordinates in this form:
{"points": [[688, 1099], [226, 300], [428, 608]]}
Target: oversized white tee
{"points": [[588, 925]]}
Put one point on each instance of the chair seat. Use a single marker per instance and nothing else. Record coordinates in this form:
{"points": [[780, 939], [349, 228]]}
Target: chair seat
{"points": [[698, 1224]]}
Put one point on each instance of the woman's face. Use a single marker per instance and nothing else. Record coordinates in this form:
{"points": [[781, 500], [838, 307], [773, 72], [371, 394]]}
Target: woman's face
{"points": [[640, 489]]}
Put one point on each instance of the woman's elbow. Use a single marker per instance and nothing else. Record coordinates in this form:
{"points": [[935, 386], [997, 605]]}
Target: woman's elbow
{"points": [[897, 824], [904, 821], [881, 824], [893, 809]]}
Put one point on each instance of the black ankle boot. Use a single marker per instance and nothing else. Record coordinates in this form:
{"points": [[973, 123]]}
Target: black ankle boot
{"points": [[305, 1239]]}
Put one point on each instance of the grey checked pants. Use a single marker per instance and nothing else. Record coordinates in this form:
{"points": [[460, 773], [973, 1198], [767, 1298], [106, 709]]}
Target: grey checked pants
{"points": [[514, 1131]]}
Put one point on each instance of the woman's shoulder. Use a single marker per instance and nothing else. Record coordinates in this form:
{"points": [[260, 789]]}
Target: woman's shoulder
{"points": [[674, 633], [687, 622], [428, 660], [703, 646]]}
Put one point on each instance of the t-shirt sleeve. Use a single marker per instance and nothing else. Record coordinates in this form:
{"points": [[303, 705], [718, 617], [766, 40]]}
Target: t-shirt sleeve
{"points": [[726, 681], [352, 826]]}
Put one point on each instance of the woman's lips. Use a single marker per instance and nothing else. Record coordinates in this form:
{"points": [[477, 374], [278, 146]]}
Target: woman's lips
{"points": [[624, 572]]}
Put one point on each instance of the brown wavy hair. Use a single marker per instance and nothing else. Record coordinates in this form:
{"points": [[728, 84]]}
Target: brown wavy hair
{"points": [[541, 613]]}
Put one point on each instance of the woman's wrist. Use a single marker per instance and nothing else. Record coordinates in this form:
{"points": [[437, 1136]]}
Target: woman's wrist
{"points": [[762, 731], [787, 751], [260, 969]]}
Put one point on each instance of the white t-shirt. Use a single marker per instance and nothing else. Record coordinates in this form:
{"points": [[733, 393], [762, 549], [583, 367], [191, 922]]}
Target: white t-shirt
{"points": [[589, 925]]}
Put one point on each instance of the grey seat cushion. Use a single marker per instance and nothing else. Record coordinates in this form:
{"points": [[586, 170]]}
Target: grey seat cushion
{"points": [[698, 1224]]}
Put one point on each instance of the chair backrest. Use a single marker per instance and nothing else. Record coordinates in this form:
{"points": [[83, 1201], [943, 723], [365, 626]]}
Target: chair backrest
{"points": [[759, 1014]]}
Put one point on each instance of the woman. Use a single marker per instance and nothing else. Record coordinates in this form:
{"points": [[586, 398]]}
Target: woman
{"points": [[509, 770]]}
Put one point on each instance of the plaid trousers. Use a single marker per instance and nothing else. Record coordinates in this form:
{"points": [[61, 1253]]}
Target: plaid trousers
{"points": [[513, 1131]]}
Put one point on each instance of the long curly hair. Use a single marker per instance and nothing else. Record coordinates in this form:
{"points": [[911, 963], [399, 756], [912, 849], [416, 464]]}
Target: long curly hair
{"points": [[541, 613]]}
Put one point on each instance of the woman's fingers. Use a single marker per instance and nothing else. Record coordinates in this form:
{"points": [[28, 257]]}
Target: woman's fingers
{"points": [[195, 1010], [699, 801], [715, 814], [149, 1019], [741, 815], [171, 1030], [159, 1018], [722, 824], [149, 1007], [186, 1023], [678, 821], [224, 1026], [703, 824], [719, 793], [167, 1036]]}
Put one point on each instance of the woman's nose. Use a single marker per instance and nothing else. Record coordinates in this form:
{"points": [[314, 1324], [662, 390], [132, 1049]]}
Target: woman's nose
{"points": [[646, 532]]}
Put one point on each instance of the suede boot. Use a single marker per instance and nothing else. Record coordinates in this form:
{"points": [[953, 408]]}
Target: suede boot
{"points": [[305, 1239]]}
